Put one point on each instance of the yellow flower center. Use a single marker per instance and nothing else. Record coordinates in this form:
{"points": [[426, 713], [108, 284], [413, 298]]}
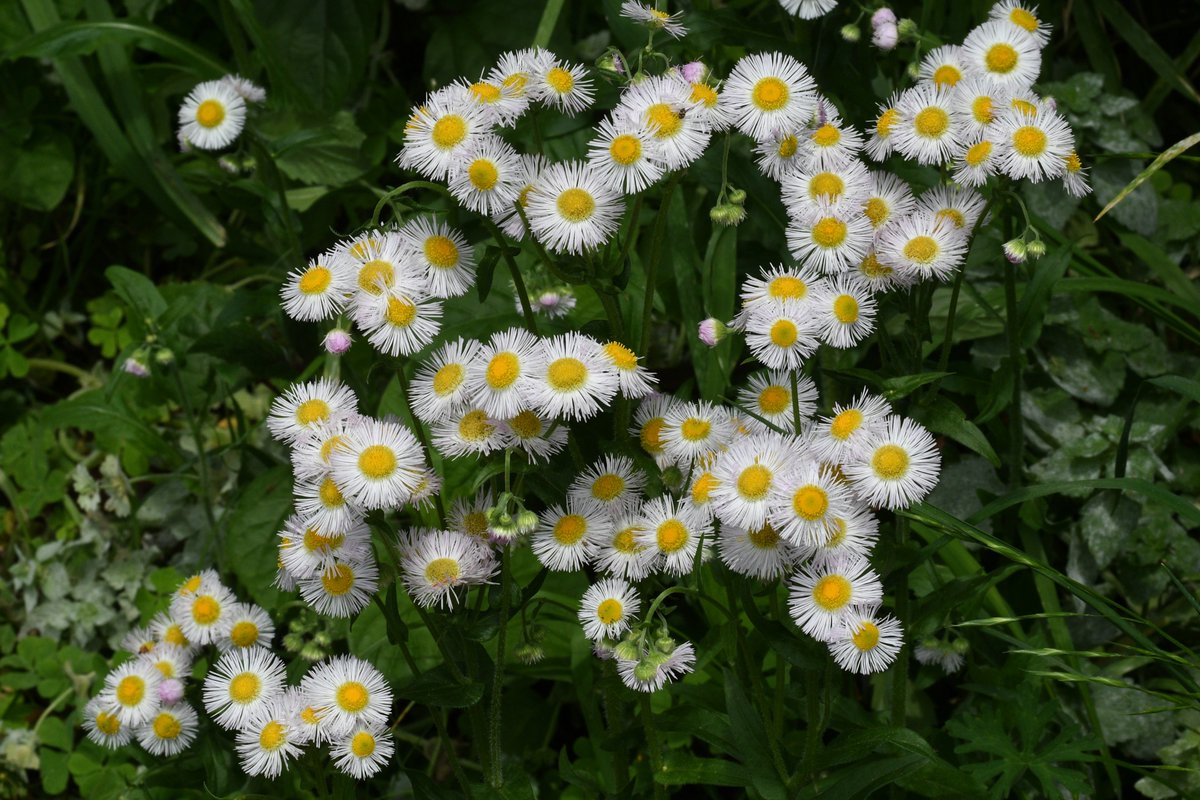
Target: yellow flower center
{"points": [[475, 524], [625, 149], [810, 502], [560, 80], [352, 696], [174, 635], [954, 215], [1022, 18], [1073, 162], [831, 592], [245, 688], [626, 541], [400, 313], [483, 174], [311, 411], [783, 333], [981, 110], [650, 435], [785, 287], [702, 488], [374, 275], [244, 634], [190, 585], [837, 532], [330, 494], [774, 400], [1029, 141], [890, 462], [108, 724], [1001, 58], [449, 131], [567, 374], [978, 153], [315, 280], [210, 114], [703, 93], [1024, 106], [877, 211], [769, 94], [754, 482], [272, 736], [486, 92], [338, 580], [610, 611], [871, 267], [166, 726], [921, 249], [441, 252], [663, 121], [363, 744], [829, 232], [765, 538], [206, 610], [503, 370], [608, 487], [377, 461], [694, 429], [866, 637], [883, 125], [441, 571], [845, 424], [526, 425], [845, 308], [931, 122], [570, 529], [310, 716], [474, 426], [826, 136], [576, 205], [516, 82], [947, 75], [447, 379], [788, 146], [131, 690], [672, 536], [826, 184], [622, 357]]}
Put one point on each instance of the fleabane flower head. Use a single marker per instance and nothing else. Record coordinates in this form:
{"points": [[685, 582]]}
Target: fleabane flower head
{"points": [[201, 614], [139, 641], [633, 379], [747, 476], [607, 608], [343, 588], [804, 503], [448, 258], [323, 504], [534, 433], [1032, 146], [926, 129], [103, 725], [846, 311], [779, 156], [167, 630], [503, 102], [502, 381], [572, 209], [274, 736], [382, 263], [923, 246], [516, 70], [782, 335], [438, 563], [440, 384], [486, 179], [247, 89], [170, 731], [769, 92], [1023, 18], [348, 692], [566, 87], [648, 423], [888, 198], [673, 530], [942, 67], [896, 465], [835, 438], [882, 140], [850, 534], [705, 103], [1002, 53], [613, 482], [976, 101], [875, 275], [241, 684], [656, 668], [529, 171], [441, 129], [813, 189], [758, 552], [977, 163], [302, 407], [693, 430], [311, 454], [131, 693], [307, 550], [769, 396], [212, 115], [654, 19], [661, 104], [790, 286], [1075, 178], [830, 237], [828, 143], [363, 751], [571, 378], [867, 641], [623, 554], [246, 625], [954, 204], [171, 661], [567, 537], [824, 595], [378, 463], [316, 292], [397, 323], [470, 430], [625, 155]]}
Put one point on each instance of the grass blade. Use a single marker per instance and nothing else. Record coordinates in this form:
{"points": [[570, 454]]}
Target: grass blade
{"points": [[1164, 158], [1145, 47], [79, 38]]}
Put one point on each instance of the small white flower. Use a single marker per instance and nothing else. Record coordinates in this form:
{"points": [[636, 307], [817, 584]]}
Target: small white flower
{"points": [[613, 482], [812, 189], [399, 324], [623, 554], [212, 116], [673, 531], [469, 431], [625, 155], [1024, 19], [882, 140], [961, 207], [926, 129], [805, 502], [249, 91], [896, 465], [942, 66], [923, 246], [808, 9], [348, 692], [867, 642], [438, 563], [662, 104], [169, 731], [342, 589], [201, 614], [888, 198], [1032, 146], [769, 395], [447, 257], [775, 282], [441, 129], [317, 292], [364, 751], [103, 725], [758, 552], [692, 430], [241, 684], [567, 538], [486, 178], [846, 311], [304, 406], [654, 19], [824, 595], [747, 475], [1002, 53], [131, 692], [564, 86], [273, 736], [655, 670], [246, 625], [378, 464], [829, 143], [441, 382], [502, 383], [836, 437], [769, 92], [323, 504], [571, 378], [572, 208], [607, 608], [633, 379], [535, 434], [782, 335], [831, 238]]}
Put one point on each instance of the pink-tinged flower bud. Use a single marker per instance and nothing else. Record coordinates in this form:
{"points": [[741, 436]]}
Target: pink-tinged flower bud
{"points": [[337, 341], [885, 37], [170, 691], [712, 331], [1015, 251], [136, 368], [884, 16], [693, 71]]}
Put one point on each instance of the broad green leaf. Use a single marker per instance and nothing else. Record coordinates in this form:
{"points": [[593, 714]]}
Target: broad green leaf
{"points": [[38, 173], [945, 417], [681, 769], [251, 543], [437, 687], [110, 420], [55, 774], [1163, 159], [1182, 386], [138, 291], [750, 738]]}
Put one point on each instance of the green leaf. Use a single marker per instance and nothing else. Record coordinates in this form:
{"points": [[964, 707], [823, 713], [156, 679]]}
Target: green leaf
{"points": [[1145, 47], [1154, 257], [438, 687], [77, 38], [54, 770], [109, 419], [1177, 504], [329, 155], [251, 528], [39, 172], [1163, 159], [1182, 386], [750, 738], [486, 272], [945, 417], [681, 769], [137, 290], [904, 385], [53, 732], [1032, 309]]}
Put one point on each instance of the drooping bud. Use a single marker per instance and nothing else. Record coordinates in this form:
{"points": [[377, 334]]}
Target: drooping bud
{"points": [[907, 28], [337, 341], [1015, 251], [727, 214], [712, 331], [851, 33], [136, 368], [1036, 249], [885, 37], [883, 16], [170, 691], [694, 71]]}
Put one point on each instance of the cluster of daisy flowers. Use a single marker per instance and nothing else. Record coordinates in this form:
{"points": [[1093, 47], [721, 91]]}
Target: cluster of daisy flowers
{"points": [[214, 112], [343, 702]]}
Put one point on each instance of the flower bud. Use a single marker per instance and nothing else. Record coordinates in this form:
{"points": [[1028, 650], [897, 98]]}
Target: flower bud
{"points": [[712, 331], [672, 477], [694, 71], [1015, 251], [1036, 249], [529, 653], [136, 368], [914, 70], [727, 214], [907, 28], [646, 670], [884, 16], [337, 341], [164, 356], [851, 33], [526, 521], [737, 196], [170, 691], [885, 37]]}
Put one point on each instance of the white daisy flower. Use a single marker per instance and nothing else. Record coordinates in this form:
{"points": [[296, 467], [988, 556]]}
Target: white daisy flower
{"points": [[613, 482], [758, 552], [139, 640], [572, 209], [775, 282], [607, 607], [926, 130], [241, 684], [654, 19], [171, 730], [1024, 18], [168, 631], [439, 563], [470, 516], [571, 378], [170, 660], [976, 164], [348, 692], [501, 384], [273, 737], [852, 534], [808, 9], [399, 324], [378, 464], [837, 436], [700, 493], [887, 121], [380, 261], [648, 423], [131, 692], [202, 614], [831, 238], [779, 155], [530, 171], [503, 102], [304, 406], [212, 116], [961, 207], [532, 433], [567, 538], [486, 178], [976, 101], [805, 502], [829, 143], [877, 276], [769, 395], [867, 642], [747, 475], [707, 106], [1075, 178], [769, 92], [343, 589], [468, 431], [324, 505], [310, 551], [448, 259], [102, 724], [247, 89], [317, 292], [566, 87], [656, 670], [662, 105], [1033, 146], [673, 531], [692, 430], [823, 596], [896, 465], [888, 198], [809, 190], [200, 580], [623, 554], [922, 247], [364, 751], [846, 311], [310, 455], [625, 155], [307, 727], [440, 130], [633, 379], [782, 335], [246, 625], [942, 67], [440, 384], [516, 69], [1002, 53]]}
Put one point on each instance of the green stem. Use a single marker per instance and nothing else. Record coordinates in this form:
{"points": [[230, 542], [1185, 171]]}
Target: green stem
{"points": [[660, 227], [900, 668], [201, 456], [419, 429], [403, 188], [86, 379], [515, 273], [495, 764], [612, 310], [1016, 418], [614, 713], [654, 745]]}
